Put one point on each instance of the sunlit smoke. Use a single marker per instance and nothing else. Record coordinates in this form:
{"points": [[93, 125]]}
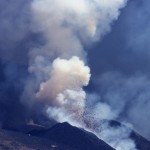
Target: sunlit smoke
{"points": [[64, 90], [98, 116]]}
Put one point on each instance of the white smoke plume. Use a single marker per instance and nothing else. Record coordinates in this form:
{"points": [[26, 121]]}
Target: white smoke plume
{"points": [[66, 25], [63, 90], [98, 117], [59, 64]]}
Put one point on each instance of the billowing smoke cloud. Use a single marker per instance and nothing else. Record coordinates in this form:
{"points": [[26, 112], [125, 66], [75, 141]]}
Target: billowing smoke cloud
{"points": [[14, 30], [66, 25], [64, 88], [59, 64], [123, 70]]}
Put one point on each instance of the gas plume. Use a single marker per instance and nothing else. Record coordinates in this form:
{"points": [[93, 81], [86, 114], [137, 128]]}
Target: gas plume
{"points": [[59, 65], [63, 90]]}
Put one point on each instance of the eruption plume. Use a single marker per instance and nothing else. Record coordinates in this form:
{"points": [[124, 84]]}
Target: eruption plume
{"points": [[58, 66], [67, 97], [65, 26]]}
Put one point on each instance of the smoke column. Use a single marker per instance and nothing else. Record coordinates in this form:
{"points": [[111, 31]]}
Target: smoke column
{"points": [[61, 59], [58, 67]]}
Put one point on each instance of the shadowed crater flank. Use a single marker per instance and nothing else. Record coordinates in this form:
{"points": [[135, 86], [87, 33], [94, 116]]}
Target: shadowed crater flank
{"points": [[72, 136]]}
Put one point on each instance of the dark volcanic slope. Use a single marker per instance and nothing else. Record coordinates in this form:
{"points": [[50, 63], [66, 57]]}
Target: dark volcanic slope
{"points": [[12, 140], [141, 143], [72, 136]]}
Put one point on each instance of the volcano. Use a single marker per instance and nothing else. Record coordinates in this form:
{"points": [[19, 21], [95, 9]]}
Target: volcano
{"points": [[72, 136], [61, 136]]}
